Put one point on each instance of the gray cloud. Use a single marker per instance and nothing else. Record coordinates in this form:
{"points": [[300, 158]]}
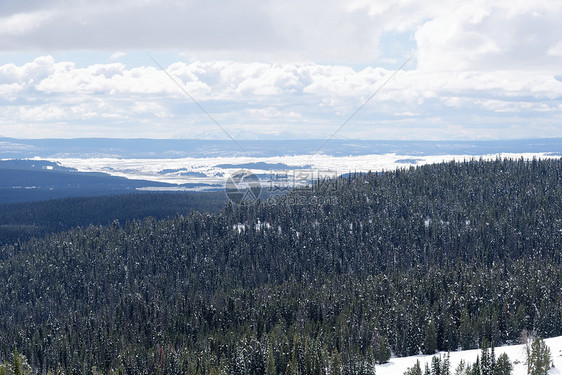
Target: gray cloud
{"points": [[452, 34], [296, 30], [283, 67]]}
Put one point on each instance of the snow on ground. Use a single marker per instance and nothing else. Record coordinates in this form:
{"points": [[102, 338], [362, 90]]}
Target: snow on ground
{"points": [[397, 366], [210, 171]]}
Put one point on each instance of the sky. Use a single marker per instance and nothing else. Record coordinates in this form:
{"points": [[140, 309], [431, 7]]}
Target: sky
{"points": [[281, 69]]}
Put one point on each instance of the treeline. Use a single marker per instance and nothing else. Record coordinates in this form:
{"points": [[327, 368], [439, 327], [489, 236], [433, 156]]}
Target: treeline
{"points": [[438, 257]]}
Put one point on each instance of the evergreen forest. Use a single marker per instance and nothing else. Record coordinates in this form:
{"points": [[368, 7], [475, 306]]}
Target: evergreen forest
{"points": [[331, 279]]}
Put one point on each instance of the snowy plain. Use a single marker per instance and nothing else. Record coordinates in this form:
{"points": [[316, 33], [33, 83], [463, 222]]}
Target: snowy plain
{"points": [[215, 170], [397, 366]]}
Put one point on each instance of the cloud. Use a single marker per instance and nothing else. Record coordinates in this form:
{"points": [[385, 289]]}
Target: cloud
{"points": [[450, 35], [555, 50], [117, 55], [269, 99], [23, 23], [497, 35], [10, 89], [281, 67]]}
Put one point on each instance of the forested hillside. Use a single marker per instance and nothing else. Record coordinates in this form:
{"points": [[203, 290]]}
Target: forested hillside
{"points": [[21, 221], [326, 280]]}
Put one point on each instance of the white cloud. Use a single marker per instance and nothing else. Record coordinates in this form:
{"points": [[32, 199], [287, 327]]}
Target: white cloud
{"points": [[31, 72], [117, 55], [555, 50], [284, 68], [150, 108], [41, 113], [269, 113], [497, 35], [515, 106], [260, 98], [22, 23], [10, 89]]}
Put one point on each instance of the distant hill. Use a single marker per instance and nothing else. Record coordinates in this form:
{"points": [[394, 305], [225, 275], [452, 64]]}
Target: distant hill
{"points": [[33, 180], [11, 148]]}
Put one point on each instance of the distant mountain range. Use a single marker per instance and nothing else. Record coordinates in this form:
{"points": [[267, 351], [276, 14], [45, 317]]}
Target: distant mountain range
{"points": [[11, 148]]}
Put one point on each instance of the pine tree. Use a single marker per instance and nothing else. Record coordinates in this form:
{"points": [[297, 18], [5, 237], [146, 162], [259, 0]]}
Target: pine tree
{"points": [[540, 360], [368, 365], [255, 358], [291, 369], [450, 335], [270, 368], [485, 360], [295, 362], [476, 369], [493, 357], [527, 338], [436, 365], [462, 368], [446, 365], [16, 368], [466, 331], [383, 350], [336, 365], [503, 365], [430, 341], [414, 370]]}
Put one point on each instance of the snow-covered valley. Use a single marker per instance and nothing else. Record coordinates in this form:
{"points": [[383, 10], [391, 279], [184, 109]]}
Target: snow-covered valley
{"points": [[296, 169]]}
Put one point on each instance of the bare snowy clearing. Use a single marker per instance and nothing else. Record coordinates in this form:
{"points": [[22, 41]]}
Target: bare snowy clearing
{"points": [[516, 354]]}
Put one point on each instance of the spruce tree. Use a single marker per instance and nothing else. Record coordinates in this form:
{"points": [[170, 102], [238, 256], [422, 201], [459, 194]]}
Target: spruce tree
{"points": [[430, 341], [540, 360], [16, 368], [446, 364], [336, 364], [415, 369], [270, 368], [485, 360], [436, 365], [465, 331], [383, 350], [503, 365], [476, 369]]}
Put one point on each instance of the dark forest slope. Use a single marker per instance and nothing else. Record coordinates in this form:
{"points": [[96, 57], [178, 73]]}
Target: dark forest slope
{"points": [[437, 257], [21, 221]]}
